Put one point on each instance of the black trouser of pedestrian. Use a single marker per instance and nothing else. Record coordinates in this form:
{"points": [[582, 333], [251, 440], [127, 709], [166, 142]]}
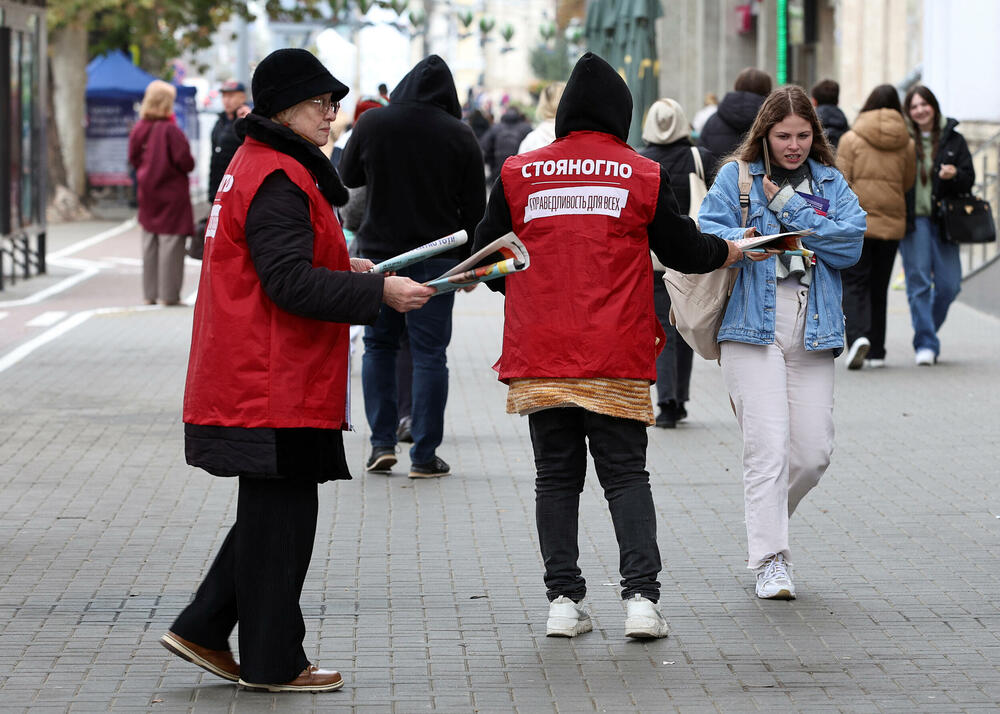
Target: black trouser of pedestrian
{"points": [[256, 580], [558, 437], [673, 365], [866, 289]]}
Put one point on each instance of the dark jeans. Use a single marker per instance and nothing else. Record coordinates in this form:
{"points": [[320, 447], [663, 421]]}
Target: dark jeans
{"points": [[256, 580], [404, 378], [429, 331], [673, 366], [558, 437], [866, 288]]}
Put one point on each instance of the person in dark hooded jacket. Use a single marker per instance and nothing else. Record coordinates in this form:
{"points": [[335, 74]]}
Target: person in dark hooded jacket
{"points": [[503, 139], [580, 330], [825, 96], [724, 130], [424, 172]]}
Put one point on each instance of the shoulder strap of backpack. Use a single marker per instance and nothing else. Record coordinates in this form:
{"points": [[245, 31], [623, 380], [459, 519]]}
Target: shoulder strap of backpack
{"points": [[698, 168], [744, 182]]}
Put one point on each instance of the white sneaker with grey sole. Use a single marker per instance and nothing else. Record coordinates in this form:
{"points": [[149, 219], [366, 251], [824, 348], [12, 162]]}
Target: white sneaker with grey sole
{"points": [[567, 619], [857, 353], [643, 619]]}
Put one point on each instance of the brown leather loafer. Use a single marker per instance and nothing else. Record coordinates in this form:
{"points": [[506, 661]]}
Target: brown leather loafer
{"points": [[312, 679], [218, 662]]}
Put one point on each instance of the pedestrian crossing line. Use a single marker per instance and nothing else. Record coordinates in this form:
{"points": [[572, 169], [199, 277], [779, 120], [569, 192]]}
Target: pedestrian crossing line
{"points": [[47, 319]]}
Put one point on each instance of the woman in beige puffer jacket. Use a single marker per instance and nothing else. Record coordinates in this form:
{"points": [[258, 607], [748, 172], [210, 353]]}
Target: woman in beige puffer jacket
{"points": [[877, 158]]}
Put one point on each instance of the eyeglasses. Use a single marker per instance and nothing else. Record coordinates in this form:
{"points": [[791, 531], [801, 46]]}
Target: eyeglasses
{"points": [[325, 105]]}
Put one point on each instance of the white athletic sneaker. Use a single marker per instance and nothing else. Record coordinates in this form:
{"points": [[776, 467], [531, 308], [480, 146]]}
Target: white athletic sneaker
{"points": [[643, 619], [856, 355], [567, 619], [925, 357], [774, 580], [874, 363]]}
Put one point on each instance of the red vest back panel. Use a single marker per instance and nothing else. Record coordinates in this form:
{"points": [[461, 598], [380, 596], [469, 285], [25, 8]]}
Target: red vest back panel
{"points": [[252, 364], [584, 308]]}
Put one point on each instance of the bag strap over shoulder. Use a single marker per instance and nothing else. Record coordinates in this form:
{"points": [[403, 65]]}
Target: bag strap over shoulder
{"points": [[744, 182], [698, 168]]}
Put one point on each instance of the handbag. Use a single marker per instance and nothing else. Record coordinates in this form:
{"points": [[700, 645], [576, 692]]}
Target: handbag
{"points": [[196, 243], [697, 188], [967, 219], [698, 301]]}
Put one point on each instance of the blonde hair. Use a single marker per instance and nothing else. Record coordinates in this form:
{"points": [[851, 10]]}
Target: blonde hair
{"points": [[548, 101], [285, 116], [158, 101]]}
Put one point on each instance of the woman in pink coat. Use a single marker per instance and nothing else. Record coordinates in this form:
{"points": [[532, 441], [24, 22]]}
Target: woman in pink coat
{"points": [[161, 156]]}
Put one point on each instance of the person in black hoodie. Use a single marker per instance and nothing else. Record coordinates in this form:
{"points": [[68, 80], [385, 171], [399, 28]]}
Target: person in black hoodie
{"points": [[724, 130], [668, 138], [825, 96], [503, 139], [581, 334], [424, 172]]}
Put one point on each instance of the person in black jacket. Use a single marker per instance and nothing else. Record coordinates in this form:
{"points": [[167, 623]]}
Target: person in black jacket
{"points": [[724, 130], [266, 399], [424, 172], [931, 264], [825, 96], [667, 135], [224, 139], [502, 139]]}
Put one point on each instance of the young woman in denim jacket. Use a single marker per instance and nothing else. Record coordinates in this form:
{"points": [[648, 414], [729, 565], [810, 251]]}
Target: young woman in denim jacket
{"points": [[784, 323]]}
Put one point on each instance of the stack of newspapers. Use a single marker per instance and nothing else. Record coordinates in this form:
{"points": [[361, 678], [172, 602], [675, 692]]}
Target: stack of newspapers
{"points": [[503, 256]]}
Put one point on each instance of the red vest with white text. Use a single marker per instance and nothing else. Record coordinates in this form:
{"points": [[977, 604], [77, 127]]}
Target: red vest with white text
{"points": [[252, 364], [584, 307]]}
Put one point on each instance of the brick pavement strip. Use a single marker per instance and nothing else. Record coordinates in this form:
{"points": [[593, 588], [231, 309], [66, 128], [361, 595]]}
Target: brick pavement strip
{"points": [[428, 595]]}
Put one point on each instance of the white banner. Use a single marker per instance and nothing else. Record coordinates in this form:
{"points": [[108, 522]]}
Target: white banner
{"points": [[576, 201]]}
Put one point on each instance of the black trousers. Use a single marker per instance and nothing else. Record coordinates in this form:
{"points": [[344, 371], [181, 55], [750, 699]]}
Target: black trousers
{"points": [[673, 365], [558, 437], [866, 288], [256, 581]]}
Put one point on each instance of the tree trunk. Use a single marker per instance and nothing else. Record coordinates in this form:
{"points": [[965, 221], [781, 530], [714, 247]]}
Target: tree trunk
{"points": [[68, 49], [57, 169]]}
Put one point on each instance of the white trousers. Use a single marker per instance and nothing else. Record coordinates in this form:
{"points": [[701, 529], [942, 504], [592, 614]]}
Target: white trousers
{"points": [[783, 396]]}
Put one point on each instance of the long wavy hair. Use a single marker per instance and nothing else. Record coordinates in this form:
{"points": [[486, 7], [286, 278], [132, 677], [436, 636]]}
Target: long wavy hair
{"points": [[928, 96], [783, 101]]}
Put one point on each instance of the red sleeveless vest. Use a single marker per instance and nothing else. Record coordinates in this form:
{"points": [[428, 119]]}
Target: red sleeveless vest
{"points": [[584, 308], [252, 364]]}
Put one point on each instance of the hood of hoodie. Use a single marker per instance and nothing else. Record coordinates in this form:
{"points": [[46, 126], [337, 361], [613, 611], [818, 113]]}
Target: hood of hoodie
{"points": [[739, 109], [884, 129], [596, 98], [429, 82]]}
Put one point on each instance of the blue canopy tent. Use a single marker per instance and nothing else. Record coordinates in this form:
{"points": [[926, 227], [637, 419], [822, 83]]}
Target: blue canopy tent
{"points": [[114, 90]]}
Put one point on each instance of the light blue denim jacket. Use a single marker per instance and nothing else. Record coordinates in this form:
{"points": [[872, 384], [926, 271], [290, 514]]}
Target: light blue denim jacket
{"points": [[837, 243]]}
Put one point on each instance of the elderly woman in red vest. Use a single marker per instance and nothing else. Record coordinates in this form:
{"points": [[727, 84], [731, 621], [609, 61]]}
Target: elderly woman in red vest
{"points": [[161, 156], [266, 396]]}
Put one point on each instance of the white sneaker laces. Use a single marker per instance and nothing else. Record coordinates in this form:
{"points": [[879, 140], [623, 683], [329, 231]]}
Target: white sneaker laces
{"points": [[776, 568]]}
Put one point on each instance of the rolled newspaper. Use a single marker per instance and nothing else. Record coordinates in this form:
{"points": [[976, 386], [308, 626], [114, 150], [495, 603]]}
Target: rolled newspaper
{"points": [[422, 253], [447, 283]]}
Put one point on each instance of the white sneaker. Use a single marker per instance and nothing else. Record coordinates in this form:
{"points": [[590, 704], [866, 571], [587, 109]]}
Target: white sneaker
{"points": [[774, 580], [643, 619], [925, 357], [874, 363], [567, 619], [856, 355]]}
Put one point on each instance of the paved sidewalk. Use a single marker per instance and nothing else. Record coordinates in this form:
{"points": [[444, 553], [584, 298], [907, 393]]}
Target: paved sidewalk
{"points": [[427, 595]]}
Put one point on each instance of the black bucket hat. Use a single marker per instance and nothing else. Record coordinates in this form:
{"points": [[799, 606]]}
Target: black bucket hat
{"points": [[288, 76]]}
